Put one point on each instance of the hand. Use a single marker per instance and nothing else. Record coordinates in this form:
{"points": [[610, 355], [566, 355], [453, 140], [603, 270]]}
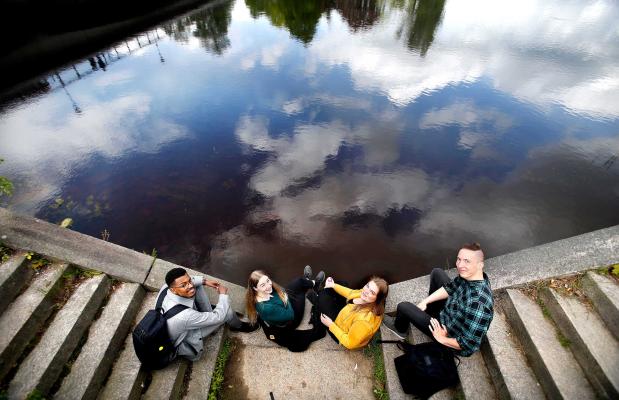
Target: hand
{"points": [[422, 305], [326, 321], [210, 283], [438, 330], [221, 289], [329, 283]]}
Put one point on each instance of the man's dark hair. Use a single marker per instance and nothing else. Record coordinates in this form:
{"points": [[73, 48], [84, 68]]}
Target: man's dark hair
{"points": [[173, 274], [474, 246]]}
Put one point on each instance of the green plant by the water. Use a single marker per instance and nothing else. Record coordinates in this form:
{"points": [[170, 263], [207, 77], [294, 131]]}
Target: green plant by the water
{"points": [[220, 366], [5, 254], [374, 352], [6, 186], [35, 395], [37, 261]]}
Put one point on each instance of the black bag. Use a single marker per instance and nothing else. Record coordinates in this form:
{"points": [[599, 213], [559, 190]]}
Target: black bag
{"points": [[425, 368], [151, 340]]}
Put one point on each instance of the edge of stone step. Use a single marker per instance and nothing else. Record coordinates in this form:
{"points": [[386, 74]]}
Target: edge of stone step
{"points": [[14, 275], [127, 377], [202, 370], [26, 314], [593, 346], [512, 376], [45, 363], [104, 338], [555, 366], [168, 382], [604, 293]]}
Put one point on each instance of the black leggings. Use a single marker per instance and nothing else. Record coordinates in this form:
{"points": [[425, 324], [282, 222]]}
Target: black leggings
{"points": [[408, 313], [295, 340], [296, 295], [330, 303]]}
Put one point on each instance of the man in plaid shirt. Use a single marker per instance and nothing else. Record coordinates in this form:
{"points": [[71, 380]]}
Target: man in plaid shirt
{"points": [[464, 306]]}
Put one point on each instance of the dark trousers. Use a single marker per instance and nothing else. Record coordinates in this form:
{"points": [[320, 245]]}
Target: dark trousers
{"points": [[330, 304], [408, 313], [296, 295], [295, 340]]}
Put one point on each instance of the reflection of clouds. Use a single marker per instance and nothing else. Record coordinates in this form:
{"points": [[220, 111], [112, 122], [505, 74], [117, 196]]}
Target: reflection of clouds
{"points": [[299, 104], [529, 207], [309, 215], [541, 52], [480, 126], [297, 157], [61, 142], [113, 78]]}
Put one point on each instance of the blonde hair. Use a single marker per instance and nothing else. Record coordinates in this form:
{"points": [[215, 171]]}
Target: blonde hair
{"points": [[250, 294], [378, 306]]}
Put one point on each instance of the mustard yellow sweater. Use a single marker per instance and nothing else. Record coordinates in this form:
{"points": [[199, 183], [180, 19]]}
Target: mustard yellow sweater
{"points": [[354, 328]]}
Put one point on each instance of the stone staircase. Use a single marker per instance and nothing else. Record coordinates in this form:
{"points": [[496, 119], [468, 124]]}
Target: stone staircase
{"points": [[558, 347], [65, 331], [65, 334]]}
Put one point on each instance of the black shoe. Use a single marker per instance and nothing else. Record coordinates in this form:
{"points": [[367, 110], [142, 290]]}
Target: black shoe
{"points": [[389, 323], [307, 272], [312, 296], [320, 279], [245, 327]]}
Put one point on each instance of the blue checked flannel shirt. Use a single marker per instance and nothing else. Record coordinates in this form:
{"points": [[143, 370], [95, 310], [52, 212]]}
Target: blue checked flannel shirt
{"points": [[468, 312]]}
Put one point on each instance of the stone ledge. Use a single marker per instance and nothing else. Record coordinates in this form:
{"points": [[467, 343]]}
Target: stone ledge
{"points": [[27, 233]]}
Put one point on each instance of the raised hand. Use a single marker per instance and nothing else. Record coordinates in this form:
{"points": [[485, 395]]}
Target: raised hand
{"points": [[329, 283]]}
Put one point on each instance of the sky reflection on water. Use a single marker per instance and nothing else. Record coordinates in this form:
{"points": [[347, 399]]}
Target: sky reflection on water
{"points": [[357, 136]]}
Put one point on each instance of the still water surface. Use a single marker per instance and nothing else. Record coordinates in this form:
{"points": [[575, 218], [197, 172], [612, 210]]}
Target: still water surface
{"points": [[358, 136]]}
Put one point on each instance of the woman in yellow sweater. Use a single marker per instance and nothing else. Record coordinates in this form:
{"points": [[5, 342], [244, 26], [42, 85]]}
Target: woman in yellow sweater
{"points": [[358, 313]]}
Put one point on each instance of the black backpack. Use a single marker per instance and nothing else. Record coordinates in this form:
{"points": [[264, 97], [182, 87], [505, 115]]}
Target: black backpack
{"points": [[151, 340], [425, 368]]}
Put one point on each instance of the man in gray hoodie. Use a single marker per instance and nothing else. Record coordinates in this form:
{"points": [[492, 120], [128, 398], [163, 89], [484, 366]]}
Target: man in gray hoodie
{"points": [[190, 327]]}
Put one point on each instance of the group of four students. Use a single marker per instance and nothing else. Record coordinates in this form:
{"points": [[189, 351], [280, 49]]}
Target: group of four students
{"points": [[456, 313]]}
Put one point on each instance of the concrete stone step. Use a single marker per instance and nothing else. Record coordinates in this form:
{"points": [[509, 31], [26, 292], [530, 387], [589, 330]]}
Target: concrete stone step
{"points": [[105, 337], [14, 275], [593, 346], [507, 365], [475, 379], [555, 367], [168, 382], [604, 293], [24, 316], [202, 370], [44, 364], [127, 376]]}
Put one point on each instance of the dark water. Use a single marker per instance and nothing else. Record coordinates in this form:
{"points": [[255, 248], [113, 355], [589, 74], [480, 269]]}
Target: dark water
{"points": [[358, 136]]}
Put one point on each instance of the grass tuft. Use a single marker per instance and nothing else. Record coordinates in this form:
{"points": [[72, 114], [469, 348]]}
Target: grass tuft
{"points": [[374, 352], [220, 366]]}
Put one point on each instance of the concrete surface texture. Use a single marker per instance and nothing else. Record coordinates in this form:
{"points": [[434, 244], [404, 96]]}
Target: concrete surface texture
{"points": [[258, 367]]}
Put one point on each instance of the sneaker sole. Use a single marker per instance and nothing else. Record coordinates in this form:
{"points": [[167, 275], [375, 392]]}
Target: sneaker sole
{"points": [[398, 334]]}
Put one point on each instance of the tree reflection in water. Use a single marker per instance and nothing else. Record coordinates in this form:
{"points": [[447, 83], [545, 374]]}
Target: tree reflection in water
{"points": [[210, 25]]}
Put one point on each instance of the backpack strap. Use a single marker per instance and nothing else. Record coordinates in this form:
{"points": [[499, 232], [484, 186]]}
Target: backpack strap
{"points": [[174, 310], [159, 304]]}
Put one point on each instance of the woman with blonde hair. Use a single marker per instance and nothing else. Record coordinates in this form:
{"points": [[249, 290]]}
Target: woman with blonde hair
{"points": [[280, 311], [351, 316]]}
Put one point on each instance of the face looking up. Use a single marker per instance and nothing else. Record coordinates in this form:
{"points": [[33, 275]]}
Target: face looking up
{"points": [[369, 292], [470, 264], [182, 286], [264, 287]]}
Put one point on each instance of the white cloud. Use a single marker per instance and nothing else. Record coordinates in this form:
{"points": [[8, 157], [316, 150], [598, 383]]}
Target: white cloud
{"points": [[50, 147]]}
